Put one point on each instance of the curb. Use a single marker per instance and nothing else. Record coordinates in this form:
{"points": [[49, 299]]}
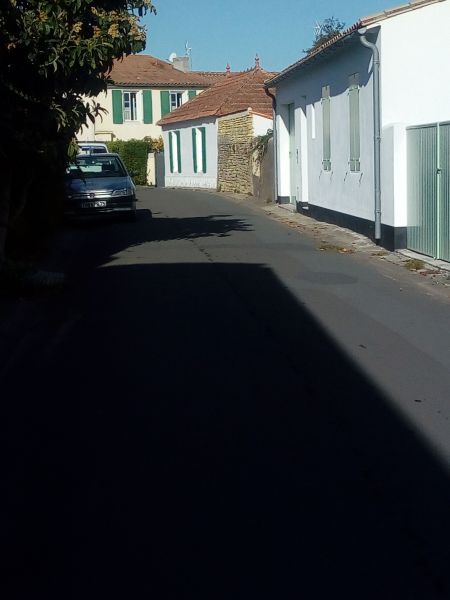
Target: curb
{"points": [[345, 241]]}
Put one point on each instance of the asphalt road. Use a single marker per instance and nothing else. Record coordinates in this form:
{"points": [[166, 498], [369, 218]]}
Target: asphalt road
{"points": [[213, 408]]}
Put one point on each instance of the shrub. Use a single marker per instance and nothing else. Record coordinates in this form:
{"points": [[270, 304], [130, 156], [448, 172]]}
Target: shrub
{"points": [[156, 144], [134, 154], [260, 145]]}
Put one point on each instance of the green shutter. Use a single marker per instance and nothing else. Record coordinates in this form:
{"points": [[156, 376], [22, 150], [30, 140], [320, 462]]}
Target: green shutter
{"points": [[203, 132], [192, 94], [117, 107], [353, 97], [194, 148], [148, 106], [326, 128], [171, 151], [165, 103], [178, 134]]}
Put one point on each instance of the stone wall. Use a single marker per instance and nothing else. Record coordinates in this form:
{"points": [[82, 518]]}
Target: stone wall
{"points": [[235, 135]]}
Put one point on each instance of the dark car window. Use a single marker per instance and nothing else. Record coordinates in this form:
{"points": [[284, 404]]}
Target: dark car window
{"points": [[93, 149], [90, 166]]}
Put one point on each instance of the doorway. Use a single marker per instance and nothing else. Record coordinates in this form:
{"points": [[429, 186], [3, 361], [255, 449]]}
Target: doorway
{"points": [[292, 156]]}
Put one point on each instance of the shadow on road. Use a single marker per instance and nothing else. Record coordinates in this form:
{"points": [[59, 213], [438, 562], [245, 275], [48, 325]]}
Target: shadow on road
{"points": [[167, 228], [195, 433]]}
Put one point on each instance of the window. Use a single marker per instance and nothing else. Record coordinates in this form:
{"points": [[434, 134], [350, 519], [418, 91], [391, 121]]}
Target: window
{"points": [[91, 167], [326, 125], [175, 151], [130, 106], [199, 149], [353, 102], [176, 100]]}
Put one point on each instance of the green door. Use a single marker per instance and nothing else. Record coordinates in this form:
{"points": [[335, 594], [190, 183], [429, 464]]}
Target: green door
{"points": [[444, 191], [428, 149]]}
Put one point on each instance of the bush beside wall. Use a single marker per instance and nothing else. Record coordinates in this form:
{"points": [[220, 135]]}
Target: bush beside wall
{"points": [[134, 154]]}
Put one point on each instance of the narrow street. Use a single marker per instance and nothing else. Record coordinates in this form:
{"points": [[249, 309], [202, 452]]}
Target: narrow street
{"points": [[213, 408]]}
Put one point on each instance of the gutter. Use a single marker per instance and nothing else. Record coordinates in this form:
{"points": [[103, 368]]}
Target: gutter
{"points": [[376, 129]]}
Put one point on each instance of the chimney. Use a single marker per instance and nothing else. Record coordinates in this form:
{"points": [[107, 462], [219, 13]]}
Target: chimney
{"points": [[181, 63]]}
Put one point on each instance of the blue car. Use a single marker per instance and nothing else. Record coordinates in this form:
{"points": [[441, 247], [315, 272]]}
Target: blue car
{"points": [[99, 184]]}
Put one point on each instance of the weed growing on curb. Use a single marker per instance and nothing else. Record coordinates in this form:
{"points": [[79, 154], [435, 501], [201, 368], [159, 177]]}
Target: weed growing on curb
{"points": [[414, 264]]}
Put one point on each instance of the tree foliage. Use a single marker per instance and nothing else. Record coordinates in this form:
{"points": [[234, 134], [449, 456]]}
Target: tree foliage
{"points": [[54, 55], [325, 31], [260, 146]]}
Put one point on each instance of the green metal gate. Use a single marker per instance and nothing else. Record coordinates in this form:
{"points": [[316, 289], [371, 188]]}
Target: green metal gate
{"points": [[429, 190]]}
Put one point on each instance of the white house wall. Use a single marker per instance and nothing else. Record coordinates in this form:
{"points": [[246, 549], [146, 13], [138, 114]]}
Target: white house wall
{"points": [[339, 189], [261, 125], [415, 65], [415, 51], [188, 178]]}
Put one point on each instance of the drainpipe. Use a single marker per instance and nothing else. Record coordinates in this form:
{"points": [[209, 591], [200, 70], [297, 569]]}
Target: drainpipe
{"points": [[275, 145], [377, 128]]}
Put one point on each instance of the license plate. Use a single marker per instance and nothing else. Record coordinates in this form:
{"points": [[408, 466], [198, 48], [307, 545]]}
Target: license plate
{"points": [[94, 204]]}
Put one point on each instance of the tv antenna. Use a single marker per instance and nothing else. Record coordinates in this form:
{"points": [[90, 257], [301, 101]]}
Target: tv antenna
{"points": [[188, 52], [318, 29]]}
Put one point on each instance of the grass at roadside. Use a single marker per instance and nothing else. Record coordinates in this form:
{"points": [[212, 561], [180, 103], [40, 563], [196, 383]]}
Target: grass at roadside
{"points": [[414, 264]]}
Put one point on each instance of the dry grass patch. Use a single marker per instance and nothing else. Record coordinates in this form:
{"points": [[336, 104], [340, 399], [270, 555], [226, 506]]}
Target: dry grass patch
{"points": [[326, 247], [414, 264]]}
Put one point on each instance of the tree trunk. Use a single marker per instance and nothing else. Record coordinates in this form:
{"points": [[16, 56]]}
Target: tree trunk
{"points": [[5, 209], [20, 195]]}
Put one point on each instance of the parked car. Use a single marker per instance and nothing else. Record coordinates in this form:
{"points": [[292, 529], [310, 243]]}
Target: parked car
{"points": [[98, 184], [92, 148]]}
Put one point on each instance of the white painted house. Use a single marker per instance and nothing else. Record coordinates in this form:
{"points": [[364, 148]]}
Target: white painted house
{"points": [[191, 154], [207, 140], [336, 164]]}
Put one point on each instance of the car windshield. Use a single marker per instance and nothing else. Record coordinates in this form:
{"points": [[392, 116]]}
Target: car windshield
{"points": [[90, 167]]}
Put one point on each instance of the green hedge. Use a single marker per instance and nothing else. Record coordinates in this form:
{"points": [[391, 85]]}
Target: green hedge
{"points": [[134, 154]]}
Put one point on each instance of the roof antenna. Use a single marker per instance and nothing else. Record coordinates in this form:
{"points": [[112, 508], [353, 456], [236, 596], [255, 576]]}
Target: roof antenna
{"points": [[318, 29], [188, 52], [257, 61]]}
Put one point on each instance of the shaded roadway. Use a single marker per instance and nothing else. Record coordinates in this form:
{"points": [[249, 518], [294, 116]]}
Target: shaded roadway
{"points": [[215, 409]]}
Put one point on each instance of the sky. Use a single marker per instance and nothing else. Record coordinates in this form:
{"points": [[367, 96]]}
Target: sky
{"points": [[223, 31]]}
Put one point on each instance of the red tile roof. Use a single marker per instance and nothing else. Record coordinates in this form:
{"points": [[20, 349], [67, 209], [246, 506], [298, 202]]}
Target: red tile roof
{"points": [[146, 70], [233, 94], [363, 22]]}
